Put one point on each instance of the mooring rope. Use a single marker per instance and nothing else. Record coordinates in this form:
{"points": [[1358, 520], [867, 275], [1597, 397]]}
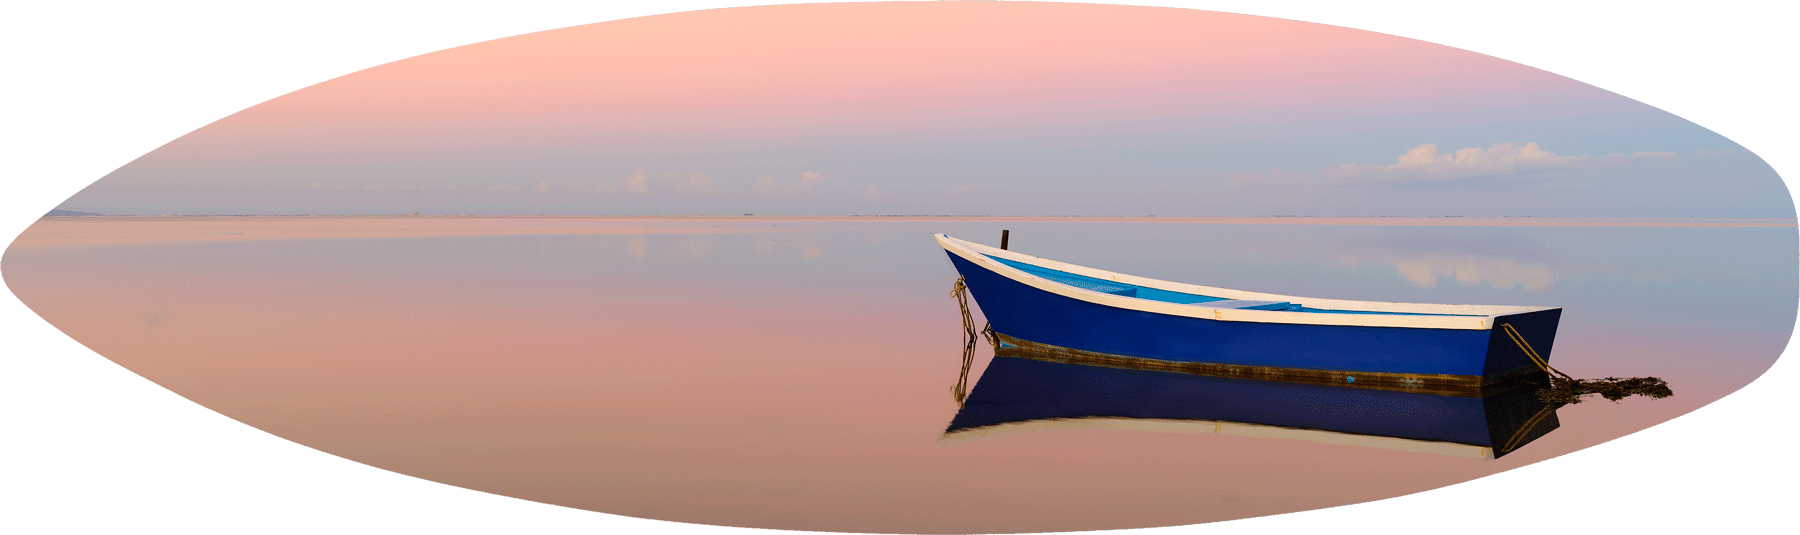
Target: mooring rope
{"points": [[1568, 390], [1530, 353], [1518, 437], [960, 291], [960, 392]]}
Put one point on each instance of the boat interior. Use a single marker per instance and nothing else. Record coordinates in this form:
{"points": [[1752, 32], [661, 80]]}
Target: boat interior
{"points": [[1168, 296]]}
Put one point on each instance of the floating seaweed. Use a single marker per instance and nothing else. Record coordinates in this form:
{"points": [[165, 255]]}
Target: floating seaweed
{"points": [[1568, 390]]}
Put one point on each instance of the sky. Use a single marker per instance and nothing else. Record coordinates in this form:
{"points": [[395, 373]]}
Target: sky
{"points": [[1001, 108], [107, 85]]}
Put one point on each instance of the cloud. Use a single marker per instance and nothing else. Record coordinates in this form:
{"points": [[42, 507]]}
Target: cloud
{"points": [[769, 185], [766, 185], [635, 183], [698, 183], [1425, 163], [874, 192]]}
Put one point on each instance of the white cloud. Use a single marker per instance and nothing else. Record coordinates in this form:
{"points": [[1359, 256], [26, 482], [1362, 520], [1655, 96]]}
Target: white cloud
{"points": [[874, 192], [769, 185], [635, 183], [766, 185], [697, 183], [1424, 162]]}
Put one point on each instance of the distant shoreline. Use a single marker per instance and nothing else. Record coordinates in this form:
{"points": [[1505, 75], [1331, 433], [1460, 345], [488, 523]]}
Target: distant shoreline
{"points": [[63, 231], [1159, 218]]}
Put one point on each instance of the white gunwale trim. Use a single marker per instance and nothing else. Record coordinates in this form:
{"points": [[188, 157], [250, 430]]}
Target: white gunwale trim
{"points": [[1202, 427], [1471, 317]]}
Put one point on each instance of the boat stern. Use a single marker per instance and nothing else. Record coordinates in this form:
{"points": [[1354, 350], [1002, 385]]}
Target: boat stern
{"points": [[1520, 343]]}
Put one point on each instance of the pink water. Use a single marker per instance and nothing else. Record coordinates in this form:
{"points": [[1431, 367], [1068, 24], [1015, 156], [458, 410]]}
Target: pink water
{"points": [[797, 374]]}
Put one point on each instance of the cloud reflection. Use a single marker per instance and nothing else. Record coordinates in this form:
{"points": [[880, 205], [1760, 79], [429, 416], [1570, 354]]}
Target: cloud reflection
{"points": [[642, 246], [807, 244], [696, 246], [1498, 271], [636, 247]]}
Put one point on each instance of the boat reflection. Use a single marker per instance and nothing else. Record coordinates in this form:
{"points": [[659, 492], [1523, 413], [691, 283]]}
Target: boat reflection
{"points": [[1022, 392]]}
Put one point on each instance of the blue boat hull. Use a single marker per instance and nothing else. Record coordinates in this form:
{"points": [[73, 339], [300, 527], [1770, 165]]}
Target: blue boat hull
{"points": [[1019, 390], [1483, 356]]}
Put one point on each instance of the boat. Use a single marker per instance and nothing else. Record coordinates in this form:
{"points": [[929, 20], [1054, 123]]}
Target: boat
{"points": [[1021, 392], [1104, 318]]}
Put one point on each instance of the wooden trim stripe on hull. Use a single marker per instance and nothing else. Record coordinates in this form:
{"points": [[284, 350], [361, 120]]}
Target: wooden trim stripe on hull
{"points": [[1468, 386]]}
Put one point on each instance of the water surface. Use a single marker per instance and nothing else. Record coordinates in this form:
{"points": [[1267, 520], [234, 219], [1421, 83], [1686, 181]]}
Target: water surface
{"points": [[797, 373]]}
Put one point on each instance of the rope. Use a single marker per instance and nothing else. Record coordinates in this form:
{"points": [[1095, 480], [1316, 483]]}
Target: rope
{"points": [[960, 392], [960, 291], [1568, 390], [1518, 437], [1535, 359]]}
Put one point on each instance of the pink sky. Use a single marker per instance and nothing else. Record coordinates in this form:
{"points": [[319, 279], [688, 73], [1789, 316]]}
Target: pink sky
{"points": [[938, 107], [889, 67]]}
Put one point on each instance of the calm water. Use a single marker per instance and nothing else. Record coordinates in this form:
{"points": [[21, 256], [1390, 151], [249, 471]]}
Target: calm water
{"points": [[800, 376]]}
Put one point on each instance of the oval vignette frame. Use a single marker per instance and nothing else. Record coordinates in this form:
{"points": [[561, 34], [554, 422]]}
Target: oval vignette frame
{"points": [[1639, 450]]}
